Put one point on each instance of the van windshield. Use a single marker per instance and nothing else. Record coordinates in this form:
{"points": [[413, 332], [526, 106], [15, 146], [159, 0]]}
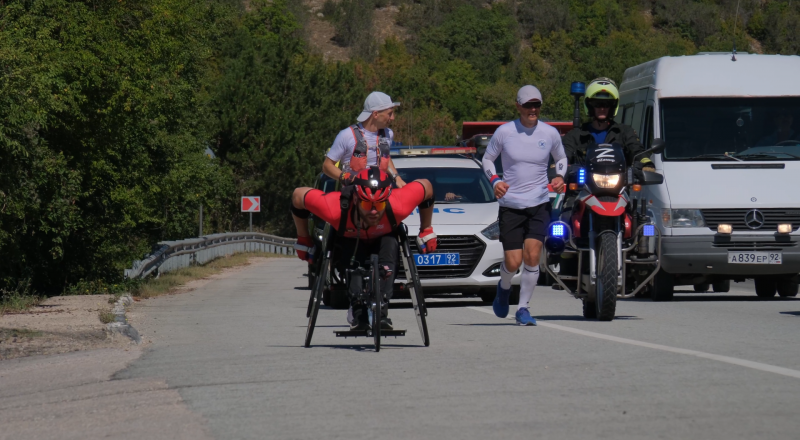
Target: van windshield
{"points": [[744, 128]]}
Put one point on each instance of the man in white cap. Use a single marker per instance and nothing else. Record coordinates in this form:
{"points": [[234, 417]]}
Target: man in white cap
{"points": [[524, 146], [366, 143]]}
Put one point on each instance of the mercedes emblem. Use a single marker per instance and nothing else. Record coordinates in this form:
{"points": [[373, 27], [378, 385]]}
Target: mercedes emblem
{"points": [[754, 219]]}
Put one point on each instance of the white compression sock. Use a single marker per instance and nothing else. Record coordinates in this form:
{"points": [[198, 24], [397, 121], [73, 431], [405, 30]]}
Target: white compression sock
{"points": [[530, 275], [505, 277]]}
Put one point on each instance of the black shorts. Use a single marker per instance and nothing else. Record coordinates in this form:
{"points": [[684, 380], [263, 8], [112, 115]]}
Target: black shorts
{"points": [[517, 225]]}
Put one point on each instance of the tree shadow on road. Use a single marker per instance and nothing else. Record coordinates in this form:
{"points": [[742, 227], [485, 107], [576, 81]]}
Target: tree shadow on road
{"points": [[791, 313]]}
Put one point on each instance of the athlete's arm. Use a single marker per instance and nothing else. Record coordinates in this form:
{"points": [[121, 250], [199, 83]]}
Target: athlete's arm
{"points": [[560, 158], [492, 152], [399, 180], [330, 169], [426, 239]]}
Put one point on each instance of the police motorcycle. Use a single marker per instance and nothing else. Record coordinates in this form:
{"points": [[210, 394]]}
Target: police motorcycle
{"points": [[606, 246]]}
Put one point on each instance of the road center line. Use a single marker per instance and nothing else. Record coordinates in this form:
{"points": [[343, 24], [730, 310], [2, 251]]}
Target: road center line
{"points": [[714, 357]]}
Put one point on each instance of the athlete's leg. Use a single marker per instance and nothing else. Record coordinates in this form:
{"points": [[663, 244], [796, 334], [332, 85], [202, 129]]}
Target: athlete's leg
{"points": [[530, 271], [512, 233], [537, 225], [387, 258]]}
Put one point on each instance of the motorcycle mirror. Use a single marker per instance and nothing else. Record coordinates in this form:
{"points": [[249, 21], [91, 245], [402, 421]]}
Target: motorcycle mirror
{"points": [[658, 146], [651, 178]]}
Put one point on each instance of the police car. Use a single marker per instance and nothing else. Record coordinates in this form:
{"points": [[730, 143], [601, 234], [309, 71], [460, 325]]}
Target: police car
{"points": [[468, 256]]}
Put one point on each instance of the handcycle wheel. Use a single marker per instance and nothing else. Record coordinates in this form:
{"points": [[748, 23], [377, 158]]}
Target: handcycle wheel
{"points": [[316, 297], [376, 294], [417, 297], [312, 268]]}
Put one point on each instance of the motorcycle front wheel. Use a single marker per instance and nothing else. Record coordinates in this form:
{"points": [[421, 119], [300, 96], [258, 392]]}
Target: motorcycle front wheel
{"points": [[607, 273]]}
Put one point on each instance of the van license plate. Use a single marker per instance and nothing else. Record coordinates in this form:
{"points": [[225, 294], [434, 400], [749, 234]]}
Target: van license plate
{"points": [[755, 257], [444, 259]]}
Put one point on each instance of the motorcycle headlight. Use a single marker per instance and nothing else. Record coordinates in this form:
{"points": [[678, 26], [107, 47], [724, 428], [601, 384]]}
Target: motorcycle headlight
{"points": [[606, 180], [682, 218], [492, 232]]}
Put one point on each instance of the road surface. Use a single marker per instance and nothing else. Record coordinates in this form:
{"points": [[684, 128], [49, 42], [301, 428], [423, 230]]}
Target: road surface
{"points": [[704, 366]]}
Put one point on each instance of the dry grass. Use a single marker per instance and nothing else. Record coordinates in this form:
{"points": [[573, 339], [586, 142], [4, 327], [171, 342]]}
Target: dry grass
{"points": [[16, 303], [106, 316], [169, 281]]}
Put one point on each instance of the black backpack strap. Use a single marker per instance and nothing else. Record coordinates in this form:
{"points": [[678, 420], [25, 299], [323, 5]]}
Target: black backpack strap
{"points": [[345, 202], [390, 216]]}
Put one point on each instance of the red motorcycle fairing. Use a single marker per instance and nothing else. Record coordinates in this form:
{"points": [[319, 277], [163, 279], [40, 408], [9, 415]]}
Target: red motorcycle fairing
{"points": [[575, 221], [628, 226], [609, 209]]}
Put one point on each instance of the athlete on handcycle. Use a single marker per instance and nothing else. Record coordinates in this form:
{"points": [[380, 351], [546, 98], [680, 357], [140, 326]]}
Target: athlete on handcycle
{"points": [[365, 215]]}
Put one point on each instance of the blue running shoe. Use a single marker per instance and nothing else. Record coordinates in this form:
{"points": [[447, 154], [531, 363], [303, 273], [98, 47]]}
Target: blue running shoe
{"points": [[524, 317], [500, 304]]}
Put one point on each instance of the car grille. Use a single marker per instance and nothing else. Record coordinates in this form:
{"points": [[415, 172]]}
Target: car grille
{"points": [[735, 217], [469, 247]]}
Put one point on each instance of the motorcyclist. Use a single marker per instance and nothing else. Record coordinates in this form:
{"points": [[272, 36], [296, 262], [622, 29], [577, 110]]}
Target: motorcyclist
{"points": [[365, 216], [602, 105]]}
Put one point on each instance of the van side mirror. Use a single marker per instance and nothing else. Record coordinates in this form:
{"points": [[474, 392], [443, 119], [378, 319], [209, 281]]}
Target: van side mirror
{"points": [[650, 178]]}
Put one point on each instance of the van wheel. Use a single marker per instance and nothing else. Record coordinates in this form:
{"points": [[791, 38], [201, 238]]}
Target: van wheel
{"points": [[788, 286], [663, 287], [701, 288], [722, 286], [765, 287]]}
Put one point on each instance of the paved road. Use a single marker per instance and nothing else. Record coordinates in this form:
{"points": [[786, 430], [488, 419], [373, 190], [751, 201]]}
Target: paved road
{"points": [[705, 366]]}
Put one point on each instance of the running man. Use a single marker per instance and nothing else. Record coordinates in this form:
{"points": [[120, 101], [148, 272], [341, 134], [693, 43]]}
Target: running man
{"points": [[366, 143], [524, 146]]}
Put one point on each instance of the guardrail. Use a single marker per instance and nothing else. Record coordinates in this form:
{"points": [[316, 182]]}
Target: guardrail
{"points": [[173, 255]]}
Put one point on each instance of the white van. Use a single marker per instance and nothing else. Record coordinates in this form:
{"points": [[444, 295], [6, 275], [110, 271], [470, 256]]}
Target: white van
{"points": [[729, 208]]}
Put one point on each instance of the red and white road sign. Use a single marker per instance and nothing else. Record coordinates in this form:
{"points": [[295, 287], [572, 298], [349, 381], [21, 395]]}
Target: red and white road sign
{"points": [[251, 204]]}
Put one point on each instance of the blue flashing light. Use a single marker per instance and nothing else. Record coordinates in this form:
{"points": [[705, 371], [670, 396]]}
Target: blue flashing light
{"points": [[577, 88], [581, 176], [558, 230], [649, 230]]}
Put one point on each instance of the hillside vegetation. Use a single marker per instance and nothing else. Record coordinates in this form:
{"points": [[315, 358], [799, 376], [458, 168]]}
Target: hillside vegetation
{"points": [[106, 108]]}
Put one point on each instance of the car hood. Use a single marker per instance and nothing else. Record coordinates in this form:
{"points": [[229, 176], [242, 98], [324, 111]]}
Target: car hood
{"points": [[481, 214], [697, 185]]}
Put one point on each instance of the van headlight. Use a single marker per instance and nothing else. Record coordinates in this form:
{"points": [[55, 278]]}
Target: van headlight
{"points": [[492, 232], [682, 218], [606, 180]]}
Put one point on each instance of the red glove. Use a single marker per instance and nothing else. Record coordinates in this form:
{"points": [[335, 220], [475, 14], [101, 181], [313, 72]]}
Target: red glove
{"points": [[305, 249], [426, 241]]}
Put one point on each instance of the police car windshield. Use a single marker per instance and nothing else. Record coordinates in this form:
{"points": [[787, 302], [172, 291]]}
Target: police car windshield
{"points": [[453, 185], [747, 128]]}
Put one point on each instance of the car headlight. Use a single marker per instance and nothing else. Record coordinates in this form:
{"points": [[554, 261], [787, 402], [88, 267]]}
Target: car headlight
{"points": [[492, 232], [606, 180], [682, 218]]}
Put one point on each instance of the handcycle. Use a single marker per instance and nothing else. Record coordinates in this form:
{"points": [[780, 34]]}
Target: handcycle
{"points": [[371, 276]]}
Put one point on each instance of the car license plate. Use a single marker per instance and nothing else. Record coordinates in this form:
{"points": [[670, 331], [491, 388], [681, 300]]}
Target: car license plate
{"points": [[755, 257], [444, 259]]}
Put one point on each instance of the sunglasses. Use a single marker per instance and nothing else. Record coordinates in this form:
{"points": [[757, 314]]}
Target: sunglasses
{"points": [[601, 104], [369, 206], [532, 104]]}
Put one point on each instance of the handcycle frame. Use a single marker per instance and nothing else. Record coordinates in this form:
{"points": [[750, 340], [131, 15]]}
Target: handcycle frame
{"points": [[323, 278]]}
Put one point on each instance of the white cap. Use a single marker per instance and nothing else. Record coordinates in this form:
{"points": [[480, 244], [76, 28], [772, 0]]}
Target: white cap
{"points": [[375, 102], [528, 93]]}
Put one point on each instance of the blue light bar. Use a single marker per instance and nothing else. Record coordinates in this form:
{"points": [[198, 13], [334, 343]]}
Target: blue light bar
{"points": [[581, 176], [649, 230], [558, 230], [577, 88]]}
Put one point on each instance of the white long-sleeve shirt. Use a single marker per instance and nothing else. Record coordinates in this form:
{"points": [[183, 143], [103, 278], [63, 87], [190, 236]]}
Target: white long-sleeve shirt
{"points": [[525, 154]]}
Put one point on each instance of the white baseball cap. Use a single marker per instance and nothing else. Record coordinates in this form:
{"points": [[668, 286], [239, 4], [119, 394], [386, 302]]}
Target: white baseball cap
{"points": [[528, 93], [375, 102]]}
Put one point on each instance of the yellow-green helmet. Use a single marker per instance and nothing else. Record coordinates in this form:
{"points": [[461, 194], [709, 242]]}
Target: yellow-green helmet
{"points": [[602, 88]]}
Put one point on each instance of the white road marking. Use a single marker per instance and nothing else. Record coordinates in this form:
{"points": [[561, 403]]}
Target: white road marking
{"points": [[714, 357]]}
